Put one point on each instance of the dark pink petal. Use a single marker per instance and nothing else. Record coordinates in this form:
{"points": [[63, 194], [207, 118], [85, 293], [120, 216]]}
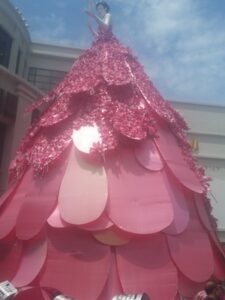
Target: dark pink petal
{"points": [[77, 265], [33, 258], [206, 220], [181, 213], [139, 200], [113, 285], [145, 266], [9, 193], [83, 192], [10, 256], [174, 158], [8, 215], [188, 288], [40, 200], [191, 250], [32, 294], [219, 261], [148, 156]]}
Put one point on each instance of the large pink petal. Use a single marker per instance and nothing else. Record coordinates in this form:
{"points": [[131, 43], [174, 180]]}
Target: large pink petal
{"points": [[40, 201], [9, 213], [205, 218], [219, 262], [181, 213], [148, 156], [9, 193], [33, 258], [188, 288], [10, 256], [191, 250], [174, 158], [139, 200], [113, 285], [145, 266], [77, 265], [83, 192]]}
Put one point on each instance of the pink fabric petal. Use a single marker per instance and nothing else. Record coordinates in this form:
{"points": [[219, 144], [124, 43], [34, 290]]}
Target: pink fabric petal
{"points": [[113, 285], [181, 213], [10, 256], [148, 156], [174, 158], [145, 266], [55, 219], [9, 193], [32, 293], [33, 258], [188, 288], [191, 250], [40, 201], [101, 224], [77, 265], [206, 221], [139, 200], [9, 214], [219, 261], [83, 192]]}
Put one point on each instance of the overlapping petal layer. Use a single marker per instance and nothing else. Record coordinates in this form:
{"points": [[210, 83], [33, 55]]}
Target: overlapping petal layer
{"points": [[124, 211]]}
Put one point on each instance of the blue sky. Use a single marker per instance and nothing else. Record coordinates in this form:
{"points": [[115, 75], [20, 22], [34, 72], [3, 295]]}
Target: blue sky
{"points": [[181, 43]]}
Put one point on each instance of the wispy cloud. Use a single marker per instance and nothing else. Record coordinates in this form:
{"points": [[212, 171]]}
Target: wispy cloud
{"points": [[182, 49]]}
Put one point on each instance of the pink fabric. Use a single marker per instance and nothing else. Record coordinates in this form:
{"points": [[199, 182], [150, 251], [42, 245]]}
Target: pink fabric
{"points": [[131, 214]]}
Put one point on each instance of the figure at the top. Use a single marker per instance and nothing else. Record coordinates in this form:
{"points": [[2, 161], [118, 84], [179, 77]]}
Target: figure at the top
{"points": [[105, 196]]}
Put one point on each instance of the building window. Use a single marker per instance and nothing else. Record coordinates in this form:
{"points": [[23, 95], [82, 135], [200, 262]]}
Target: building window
{"points": [[45, 79], [8, 106], [18, 61], [5, 47]]}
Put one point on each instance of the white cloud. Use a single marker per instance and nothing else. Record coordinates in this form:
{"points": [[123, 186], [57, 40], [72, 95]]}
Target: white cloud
{"points": [[182, 49]]}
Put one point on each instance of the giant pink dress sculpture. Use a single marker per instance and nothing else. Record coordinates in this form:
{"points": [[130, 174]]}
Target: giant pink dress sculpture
{"points": [[106, 197]]}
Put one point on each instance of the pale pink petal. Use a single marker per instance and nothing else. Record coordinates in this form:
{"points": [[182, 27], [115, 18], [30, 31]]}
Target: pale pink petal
{"points": [[181, 213], [139, 200], [101, 224], [40, 200], [112, 237], [10, 256], [77, 265], [172, 154], [55, 219], [83, 192], [148, 156], [145, 266], [9, 213], [191, 250], [33, 259]]}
